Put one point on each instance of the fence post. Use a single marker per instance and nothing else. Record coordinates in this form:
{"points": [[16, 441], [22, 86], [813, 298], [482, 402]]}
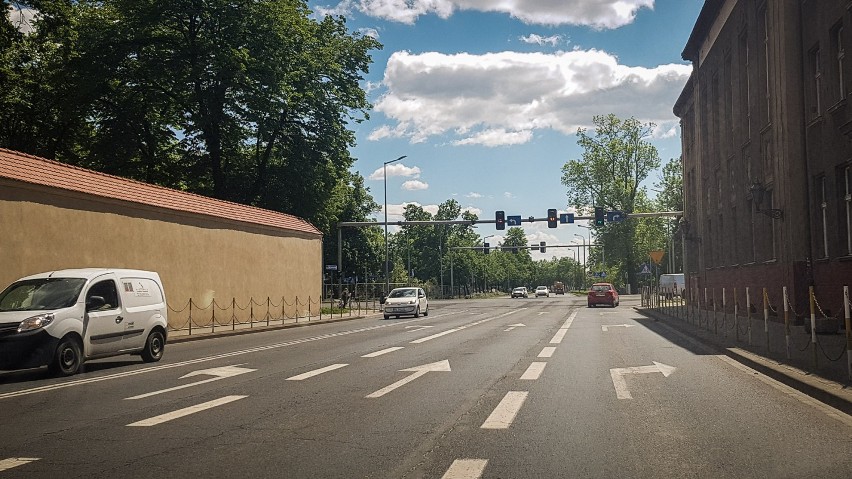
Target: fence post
{"points": [[708, 311], [715, 322], [233, 314], [748, 314], [724, 315], [786, 322], [848, 330], [736, 317], [766, 317], [190, 316], [213, 325], [813, 327]]}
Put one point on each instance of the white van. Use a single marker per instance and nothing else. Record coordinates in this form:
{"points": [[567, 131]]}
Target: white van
{"points": [[62, 318], [672, 284]]}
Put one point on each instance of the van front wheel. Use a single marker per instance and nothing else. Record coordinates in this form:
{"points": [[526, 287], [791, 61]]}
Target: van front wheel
{"points": [[154, 347], [67, 359]]}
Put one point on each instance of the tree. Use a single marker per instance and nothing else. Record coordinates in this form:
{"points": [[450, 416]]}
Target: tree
{"points": [[616, 159]]}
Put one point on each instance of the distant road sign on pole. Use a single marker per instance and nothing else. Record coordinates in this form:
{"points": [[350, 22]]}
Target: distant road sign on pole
{"points": [[656, 256], [615, 216], [513, 220], [566, 218]]}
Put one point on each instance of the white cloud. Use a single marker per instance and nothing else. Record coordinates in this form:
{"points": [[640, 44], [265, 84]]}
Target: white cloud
{"points": [[508, 195], [503, 98], [599, 14], [369, 32], [473, 195], [536, 39], [415, 185], [474, 210], [396, 169]]}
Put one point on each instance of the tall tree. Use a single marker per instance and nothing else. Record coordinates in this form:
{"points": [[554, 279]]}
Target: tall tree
{"points": [[616, 159]]}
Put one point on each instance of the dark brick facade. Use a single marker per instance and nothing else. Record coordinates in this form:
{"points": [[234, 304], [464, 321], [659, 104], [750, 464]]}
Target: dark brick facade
{"points": [[765, 111]]}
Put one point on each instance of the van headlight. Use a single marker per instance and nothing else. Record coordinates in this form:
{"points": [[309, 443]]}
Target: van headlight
{"points": [[35, 322]]}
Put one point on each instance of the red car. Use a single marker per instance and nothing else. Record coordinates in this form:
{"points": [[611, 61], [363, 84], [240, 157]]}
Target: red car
{"points": [[603, 293]]}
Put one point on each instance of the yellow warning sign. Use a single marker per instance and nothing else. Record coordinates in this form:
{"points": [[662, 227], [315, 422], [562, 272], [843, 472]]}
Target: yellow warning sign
{"points": [[656, 256]]}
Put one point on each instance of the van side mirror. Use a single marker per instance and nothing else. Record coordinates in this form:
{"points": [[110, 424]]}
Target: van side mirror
{"points": [[94, 303]]}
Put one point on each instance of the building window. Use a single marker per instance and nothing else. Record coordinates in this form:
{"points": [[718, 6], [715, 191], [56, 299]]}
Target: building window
{"points": [[839, 53], [745, 84], [816, 82], [764, 28], [823, 212]]}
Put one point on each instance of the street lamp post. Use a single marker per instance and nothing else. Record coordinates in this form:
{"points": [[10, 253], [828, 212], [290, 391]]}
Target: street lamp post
{"points": [[485, 266], [584, 254], [387, 249]]}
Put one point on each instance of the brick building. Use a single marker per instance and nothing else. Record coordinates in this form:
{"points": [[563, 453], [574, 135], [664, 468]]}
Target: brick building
{"points": [[766, 150]]}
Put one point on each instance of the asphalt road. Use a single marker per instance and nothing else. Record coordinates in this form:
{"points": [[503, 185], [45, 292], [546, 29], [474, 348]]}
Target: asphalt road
{"points": [[501, 388]]}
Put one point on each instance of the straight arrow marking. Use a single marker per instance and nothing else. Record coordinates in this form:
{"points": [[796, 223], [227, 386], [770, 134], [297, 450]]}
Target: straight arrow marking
{"points": [[186, 411], [513, 326], [417, 371], [316, 372], [620, 383], [13, 462], [607, 326]]}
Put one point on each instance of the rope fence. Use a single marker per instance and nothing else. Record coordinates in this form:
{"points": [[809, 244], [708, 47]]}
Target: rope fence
{"points": [[709, 309], [194, 318]]}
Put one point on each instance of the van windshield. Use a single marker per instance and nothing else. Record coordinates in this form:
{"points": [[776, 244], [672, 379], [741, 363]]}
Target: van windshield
{"points": [[41, 294]]}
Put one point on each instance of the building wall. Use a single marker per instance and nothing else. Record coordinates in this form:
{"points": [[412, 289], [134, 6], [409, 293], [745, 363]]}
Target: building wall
{"points": [[743, 124], [197, 257]]}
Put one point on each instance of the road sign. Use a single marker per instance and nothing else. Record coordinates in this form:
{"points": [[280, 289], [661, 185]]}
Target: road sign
{"points": [[513, 220], [656, 256], [645, 269], [615, 216], [331, 267], [566, 218]]}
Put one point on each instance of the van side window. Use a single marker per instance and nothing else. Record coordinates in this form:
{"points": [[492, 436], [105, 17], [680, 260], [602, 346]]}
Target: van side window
{"points": [[107, 290]]}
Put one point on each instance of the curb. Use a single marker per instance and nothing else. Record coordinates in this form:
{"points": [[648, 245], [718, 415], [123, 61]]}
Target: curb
{"points": [[832, 393]]}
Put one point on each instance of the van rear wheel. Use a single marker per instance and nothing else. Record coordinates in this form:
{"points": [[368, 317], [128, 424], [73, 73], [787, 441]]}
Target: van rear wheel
{"points": [[67, 358], [154, 347]]}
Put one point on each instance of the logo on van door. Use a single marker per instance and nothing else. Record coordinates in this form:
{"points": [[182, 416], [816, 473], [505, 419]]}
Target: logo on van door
{"points": [[128, 287]]}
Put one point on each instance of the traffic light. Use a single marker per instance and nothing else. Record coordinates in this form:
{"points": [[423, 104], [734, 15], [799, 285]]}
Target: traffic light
{"points": [[485, 248], [500, 217], [551, 218], [541, 245], [599, 216]]}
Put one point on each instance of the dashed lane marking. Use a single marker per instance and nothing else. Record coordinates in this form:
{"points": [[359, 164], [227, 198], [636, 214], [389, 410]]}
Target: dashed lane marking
{"points": [[383, 351], [505, 412], [547, 352], [316, 372], [534, 371], [186, 411], [466, 469]]}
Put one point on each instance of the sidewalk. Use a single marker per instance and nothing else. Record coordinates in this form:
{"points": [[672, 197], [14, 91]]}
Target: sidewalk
{"points": [[237, 328], [819, 370]]}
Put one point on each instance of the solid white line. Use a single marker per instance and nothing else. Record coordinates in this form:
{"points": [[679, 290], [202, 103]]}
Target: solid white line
{"points": [[402, 382], [534, 371], [504, 413], [547, 352], [383, 351], [557, 338], [13, 462], [186, 411], [316, 372], [466, 469]]}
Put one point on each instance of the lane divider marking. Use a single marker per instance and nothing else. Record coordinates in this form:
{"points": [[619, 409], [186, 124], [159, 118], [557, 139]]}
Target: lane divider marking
{"points": [[466, 469], [186, 411], [505, 412], [383, 351], [316, 372], [547, 352], [534, 371], [13, 462]]}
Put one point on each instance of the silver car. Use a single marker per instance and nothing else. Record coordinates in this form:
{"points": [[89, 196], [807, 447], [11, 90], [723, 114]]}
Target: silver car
{"points": [[406, 302]]}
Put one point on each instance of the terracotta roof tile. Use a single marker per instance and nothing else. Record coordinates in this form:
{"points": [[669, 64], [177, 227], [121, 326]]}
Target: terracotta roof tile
{"points": [[39, 171]]}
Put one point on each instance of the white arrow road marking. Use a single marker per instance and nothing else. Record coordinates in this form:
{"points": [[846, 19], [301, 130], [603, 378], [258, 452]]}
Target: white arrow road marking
{"points": [[503, 415], [186, 411], [383, 351], [316, 372], [542, 312], [607, 326], [513, 326], [219, 373], [621, 385], [547, 352], [417, 372], [466, 469], [13, 462], [454, 330], [534, 371]]}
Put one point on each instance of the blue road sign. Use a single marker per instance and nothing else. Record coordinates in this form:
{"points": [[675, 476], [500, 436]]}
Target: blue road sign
{"points": [[615, 216], [513, 220], [566, 218]]}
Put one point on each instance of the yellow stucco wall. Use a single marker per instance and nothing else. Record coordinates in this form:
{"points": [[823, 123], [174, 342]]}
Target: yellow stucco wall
{"points": [[197, 257]]}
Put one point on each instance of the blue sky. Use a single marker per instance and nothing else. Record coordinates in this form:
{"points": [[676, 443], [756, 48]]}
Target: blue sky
{"points": [[485, 96]]}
